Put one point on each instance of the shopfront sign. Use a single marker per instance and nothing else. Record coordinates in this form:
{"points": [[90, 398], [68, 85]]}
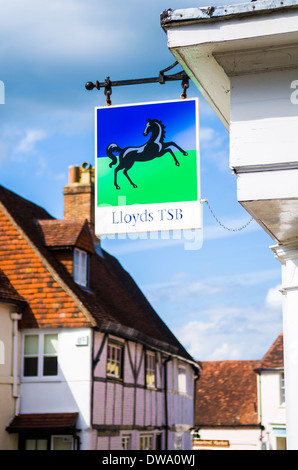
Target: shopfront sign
{"points": [[211, 443], [147, 167], [279, 432]]}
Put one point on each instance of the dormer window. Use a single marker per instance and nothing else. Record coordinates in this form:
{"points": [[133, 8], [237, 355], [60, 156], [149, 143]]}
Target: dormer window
{"points": [[80, 267]]}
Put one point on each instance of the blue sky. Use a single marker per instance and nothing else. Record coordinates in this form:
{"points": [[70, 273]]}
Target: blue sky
{"points": [[220, 299]]}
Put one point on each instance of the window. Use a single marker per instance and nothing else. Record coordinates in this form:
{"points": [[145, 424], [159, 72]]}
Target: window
{"points": [[80, 270], [31, 356], [47, 442], [62, 443], [150, 369], [181, 379], [114, 360], [282, 389], [146, 441], [36, 444], [126, 442], [40, 355], [50, 358]]}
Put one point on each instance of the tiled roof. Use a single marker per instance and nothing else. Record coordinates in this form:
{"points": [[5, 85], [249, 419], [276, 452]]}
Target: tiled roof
{"points": [[8, 292], [62, 422], [66, 233], [226, 394], [113, 302], [273, 359]]}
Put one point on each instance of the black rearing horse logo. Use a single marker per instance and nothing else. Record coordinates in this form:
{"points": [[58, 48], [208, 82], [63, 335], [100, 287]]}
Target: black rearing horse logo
{"points": [[153, 148]]}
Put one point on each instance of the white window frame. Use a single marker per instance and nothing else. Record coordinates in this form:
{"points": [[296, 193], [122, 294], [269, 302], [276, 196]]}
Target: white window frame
{"points": [[80, 267], [150, 369], [40, 356], [126, 441], [146, 441], [182, 385], [114, 361]]}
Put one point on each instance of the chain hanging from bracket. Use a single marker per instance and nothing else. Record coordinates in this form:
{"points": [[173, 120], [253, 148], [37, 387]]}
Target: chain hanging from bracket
{"points": [[162, 79], [108, 91], [185, 85], [224, 226]]}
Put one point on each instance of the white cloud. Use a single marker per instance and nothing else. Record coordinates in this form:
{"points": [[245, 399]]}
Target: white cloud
{"points": [[204, 342], [177, 291], [206, 134], [224, 350], [274, 298], [230, 333], [16, 144], [28, 142], [225, 332], [252, 278], [214, 146]]}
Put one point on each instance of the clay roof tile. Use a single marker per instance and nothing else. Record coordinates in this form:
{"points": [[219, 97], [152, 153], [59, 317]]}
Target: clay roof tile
{"points": [[226, 394]]}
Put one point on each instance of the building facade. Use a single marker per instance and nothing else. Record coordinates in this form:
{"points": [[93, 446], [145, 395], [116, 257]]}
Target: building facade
{"points": [[271, 392], [11, 307], [226, 410], [240, 405], [98, 367]]}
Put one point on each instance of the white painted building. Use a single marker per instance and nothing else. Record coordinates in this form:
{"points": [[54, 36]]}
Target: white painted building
{"points": [[11, 307], [271, 398], [60, 385], [243, 58]]}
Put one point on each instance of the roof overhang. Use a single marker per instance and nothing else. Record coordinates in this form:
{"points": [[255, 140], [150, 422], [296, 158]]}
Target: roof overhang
{"points": [[62, 423], [212, 44]]}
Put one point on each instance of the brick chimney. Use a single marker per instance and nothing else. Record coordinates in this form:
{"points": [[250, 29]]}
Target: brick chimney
{"points": [[79, 193]]}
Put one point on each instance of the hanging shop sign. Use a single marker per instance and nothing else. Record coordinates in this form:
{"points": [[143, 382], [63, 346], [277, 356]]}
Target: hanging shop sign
{"points": [[147, 167]]}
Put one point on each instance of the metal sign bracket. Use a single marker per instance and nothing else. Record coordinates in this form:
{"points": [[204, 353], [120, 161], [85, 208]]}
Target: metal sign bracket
{"points": [[162, 79]]}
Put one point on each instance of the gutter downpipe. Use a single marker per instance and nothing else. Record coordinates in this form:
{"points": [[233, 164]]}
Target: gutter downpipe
{"points": [[15, 317], [166, 403], [196, 378], [260, 408]]}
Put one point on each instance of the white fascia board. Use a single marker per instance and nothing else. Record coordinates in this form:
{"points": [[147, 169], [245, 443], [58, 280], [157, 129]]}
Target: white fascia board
{"points": [[211, 80], [224, 12], [216, 33]]}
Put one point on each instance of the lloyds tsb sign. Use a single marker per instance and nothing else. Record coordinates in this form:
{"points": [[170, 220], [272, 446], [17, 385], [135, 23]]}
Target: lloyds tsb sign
{"points": [[147, 167]]}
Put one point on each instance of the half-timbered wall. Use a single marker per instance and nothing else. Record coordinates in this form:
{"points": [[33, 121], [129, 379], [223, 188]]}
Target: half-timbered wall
{"points": [[180, 404], [127, 407]]}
